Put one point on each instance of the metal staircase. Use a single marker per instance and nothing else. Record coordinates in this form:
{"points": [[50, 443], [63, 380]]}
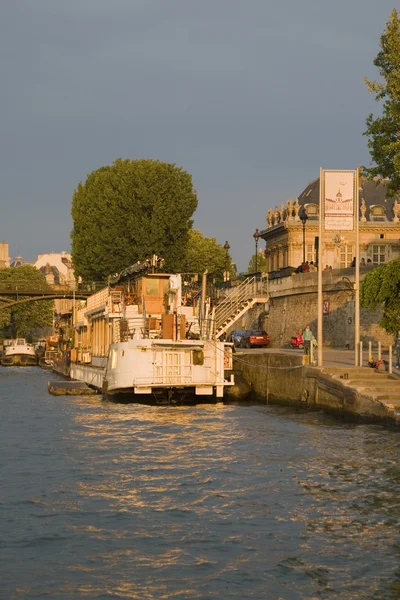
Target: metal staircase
{"points": [[251, 291]]}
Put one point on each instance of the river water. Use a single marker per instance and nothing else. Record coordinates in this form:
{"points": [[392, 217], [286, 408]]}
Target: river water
{"points": [[103, 500]]}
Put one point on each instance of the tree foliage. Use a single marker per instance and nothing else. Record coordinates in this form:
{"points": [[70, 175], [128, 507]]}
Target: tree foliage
{"points": [[21, 318], [204, 253], [125, 212], [383, 131], [261, 263], [382, 286]]}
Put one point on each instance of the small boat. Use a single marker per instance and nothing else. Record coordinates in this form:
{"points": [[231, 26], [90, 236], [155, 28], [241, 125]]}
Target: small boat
{"points": [[18, 353]]}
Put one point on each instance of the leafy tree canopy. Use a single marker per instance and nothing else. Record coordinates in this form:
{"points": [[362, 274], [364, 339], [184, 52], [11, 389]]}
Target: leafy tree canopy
{"points": [[204, 253], [125, 212], [23, 317], [261, 263], [383, 131], [382, 286]]}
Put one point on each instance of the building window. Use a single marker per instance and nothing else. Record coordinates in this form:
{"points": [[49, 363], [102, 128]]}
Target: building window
{"points": [[285, 257], [346, 256], [379, 255], [310, 255]]}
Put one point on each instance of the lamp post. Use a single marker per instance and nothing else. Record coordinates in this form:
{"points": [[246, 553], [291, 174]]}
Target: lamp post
{"points": [[256, 236], [226, 274], [303, 219]]}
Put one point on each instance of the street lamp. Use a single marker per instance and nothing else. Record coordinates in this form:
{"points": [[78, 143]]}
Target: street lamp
{"points": [[303, 218], [256, 236], [226, 248]]}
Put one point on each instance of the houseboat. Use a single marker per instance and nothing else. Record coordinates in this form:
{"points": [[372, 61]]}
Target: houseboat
{"points": [[148, 334], [18, 353]]}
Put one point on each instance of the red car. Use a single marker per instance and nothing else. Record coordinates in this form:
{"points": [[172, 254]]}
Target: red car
{"points": [[253, 339]]}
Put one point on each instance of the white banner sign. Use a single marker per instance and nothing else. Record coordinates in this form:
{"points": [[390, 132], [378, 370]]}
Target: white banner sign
{"points": [[339, 201]]}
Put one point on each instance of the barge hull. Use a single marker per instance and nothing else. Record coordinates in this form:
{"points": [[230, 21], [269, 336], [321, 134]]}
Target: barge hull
{"points": [[19, 360]]}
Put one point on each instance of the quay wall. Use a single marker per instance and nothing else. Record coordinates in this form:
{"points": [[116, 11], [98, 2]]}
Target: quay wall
{"points": [[293, 305], [283, 379]]}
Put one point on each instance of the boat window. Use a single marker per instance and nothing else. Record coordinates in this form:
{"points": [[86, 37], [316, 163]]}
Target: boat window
{"points": [[114, 356], [20, 341], [198, 357], [152, 287]]}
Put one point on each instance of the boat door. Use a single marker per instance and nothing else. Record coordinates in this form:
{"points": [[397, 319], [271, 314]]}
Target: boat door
{"points": [[172, 367]]}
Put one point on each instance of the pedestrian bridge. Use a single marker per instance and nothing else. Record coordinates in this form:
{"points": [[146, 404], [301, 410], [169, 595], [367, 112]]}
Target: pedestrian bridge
{"points": [[11, 294]]}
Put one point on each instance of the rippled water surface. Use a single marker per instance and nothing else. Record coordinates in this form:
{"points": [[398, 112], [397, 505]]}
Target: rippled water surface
{"points": [[103, 500]]}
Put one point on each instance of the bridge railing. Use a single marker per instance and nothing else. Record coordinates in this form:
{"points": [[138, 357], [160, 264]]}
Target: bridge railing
{"points": [[11, 289]]}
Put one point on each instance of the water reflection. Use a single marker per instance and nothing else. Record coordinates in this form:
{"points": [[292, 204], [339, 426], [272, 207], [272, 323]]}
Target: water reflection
{"points": [[105, 500]]}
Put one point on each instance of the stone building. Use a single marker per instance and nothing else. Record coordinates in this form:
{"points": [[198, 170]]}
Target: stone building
{"points": [[379, 230], [4, 257], [57, 268]]}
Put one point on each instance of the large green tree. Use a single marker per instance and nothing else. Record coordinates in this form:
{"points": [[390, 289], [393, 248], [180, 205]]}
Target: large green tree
{"points": [[382, 287], [204, 253], [261, 263], [125, 212], [21, 318], [384, 131]]}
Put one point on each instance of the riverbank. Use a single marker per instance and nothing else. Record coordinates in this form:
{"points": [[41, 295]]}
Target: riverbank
{"points": [[360, 394]]}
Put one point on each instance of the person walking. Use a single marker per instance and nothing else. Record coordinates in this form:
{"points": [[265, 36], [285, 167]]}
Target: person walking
{"points": [[397, 345], [307, 338]]}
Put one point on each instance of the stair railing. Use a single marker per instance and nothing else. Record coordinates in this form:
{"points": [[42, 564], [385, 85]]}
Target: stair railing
{"points": [[237, 300]]}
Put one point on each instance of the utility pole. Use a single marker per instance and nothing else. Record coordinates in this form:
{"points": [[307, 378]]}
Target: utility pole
{"points": [[357, 275]]}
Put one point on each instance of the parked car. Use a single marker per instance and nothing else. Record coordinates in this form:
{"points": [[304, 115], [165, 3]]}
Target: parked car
{"points": [[253, 338], [235, 336]]}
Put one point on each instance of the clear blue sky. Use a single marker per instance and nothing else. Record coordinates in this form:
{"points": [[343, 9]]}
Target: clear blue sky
{"points": [[250, 97]]}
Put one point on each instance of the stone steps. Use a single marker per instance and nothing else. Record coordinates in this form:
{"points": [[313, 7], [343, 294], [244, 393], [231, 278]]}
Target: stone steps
{"points": [[388, 398], [376, 389]]}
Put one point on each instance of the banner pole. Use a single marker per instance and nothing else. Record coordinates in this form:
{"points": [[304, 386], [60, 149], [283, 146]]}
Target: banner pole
{"points": [[357, 274], [320, 263]]}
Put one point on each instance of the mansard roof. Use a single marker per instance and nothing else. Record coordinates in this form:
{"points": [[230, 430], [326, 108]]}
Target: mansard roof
{"points": [[373, 192]]}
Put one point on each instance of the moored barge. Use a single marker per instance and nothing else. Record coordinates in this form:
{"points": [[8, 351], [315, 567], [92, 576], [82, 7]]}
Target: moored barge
{"points": [[147, 334]]}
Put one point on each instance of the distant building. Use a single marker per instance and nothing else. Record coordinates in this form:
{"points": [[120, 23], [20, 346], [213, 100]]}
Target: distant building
{"points": [[59, 271], [57, 267], [379, 231], [4, 257]]}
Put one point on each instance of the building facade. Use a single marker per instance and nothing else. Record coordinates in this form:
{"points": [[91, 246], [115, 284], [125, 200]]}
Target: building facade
{"points": [[288, 240], [57, 268]]}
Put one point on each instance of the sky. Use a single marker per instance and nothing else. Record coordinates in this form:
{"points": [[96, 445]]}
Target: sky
{"points": [[250, 97]]}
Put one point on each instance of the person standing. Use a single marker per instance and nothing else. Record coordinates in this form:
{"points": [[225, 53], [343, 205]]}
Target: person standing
{"points": [[307, 339], [397, 345]]}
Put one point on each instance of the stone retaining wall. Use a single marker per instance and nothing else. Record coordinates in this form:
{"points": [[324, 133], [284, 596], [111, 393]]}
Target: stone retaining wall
{"points": [[283, 379], [293, 305]]}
